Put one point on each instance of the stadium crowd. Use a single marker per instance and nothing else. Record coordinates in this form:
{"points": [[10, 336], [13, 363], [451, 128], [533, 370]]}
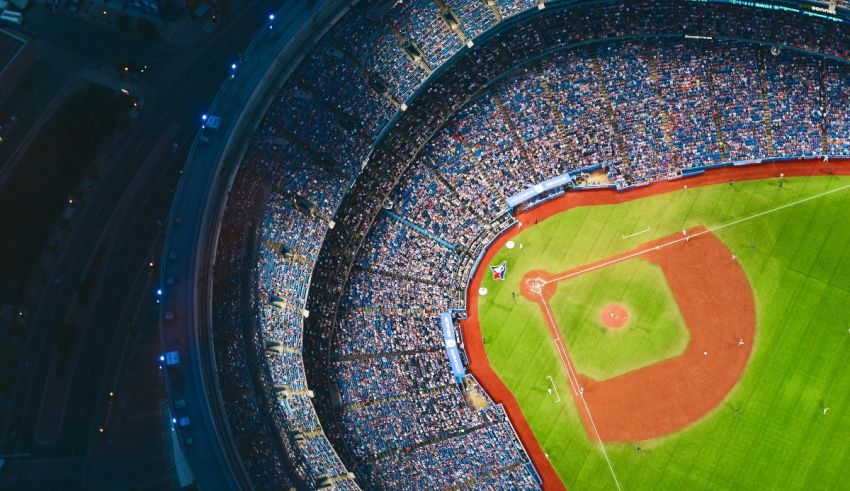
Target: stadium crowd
{"points": [[351, 268]]}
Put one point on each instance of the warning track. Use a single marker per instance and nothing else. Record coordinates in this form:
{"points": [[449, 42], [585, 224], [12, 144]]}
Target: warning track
{"points": [[479, 365]]}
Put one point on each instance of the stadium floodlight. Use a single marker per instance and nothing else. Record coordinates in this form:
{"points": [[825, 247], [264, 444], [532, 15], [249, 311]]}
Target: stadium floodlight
{"points": [[271, 17], [203, 117]]}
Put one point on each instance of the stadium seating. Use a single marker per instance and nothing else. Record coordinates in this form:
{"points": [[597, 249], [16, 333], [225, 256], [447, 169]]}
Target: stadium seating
{"points": [[642, 109]]}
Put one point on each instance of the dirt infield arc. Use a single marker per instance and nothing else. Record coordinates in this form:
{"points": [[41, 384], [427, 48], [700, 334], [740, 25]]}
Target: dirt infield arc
{"points": [[717, 304], [478, 363]]}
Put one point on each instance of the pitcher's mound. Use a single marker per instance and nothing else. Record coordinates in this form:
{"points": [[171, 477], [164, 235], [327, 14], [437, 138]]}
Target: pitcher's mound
{"points": [[614, 316]]}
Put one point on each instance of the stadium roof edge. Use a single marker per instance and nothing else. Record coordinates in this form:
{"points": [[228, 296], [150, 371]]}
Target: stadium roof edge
{"points": [[189, 248]]}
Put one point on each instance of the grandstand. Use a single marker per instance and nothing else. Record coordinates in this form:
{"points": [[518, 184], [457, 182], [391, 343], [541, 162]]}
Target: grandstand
{"points": [[385, 163]]}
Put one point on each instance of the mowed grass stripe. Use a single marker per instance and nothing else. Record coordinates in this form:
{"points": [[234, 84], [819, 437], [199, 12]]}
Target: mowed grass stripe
{"points": [[656, 330], [799, 268]]}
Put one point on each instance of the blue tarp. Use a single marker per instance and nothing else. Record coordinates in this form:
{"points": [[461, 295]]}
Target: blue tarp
{"points": [[451, 346]]}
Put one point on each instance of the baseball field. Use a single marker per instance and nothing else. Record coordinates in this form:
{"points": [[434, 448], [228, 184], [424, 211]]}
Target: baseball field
{"points": [[691, 335]]}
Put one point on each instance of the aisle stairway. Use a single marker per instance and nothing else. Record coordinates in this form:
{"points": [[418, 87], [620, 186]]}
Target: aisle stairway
{"points": [[768, 114], [326, 162], [666, 122], [293, 255], [482, 171], [453, 22], [276, 346], [279, 302], [558, 117], [491, 4], [716, 119], [404, 42], [823, 109], [373, 80], [506, 117], [346, 121], [602, 90], [446, 184]]}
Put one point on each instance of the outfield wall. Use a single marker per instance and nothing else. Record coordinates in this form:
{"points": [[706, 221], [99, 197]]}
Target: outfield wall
{"points": [[479, 366]]}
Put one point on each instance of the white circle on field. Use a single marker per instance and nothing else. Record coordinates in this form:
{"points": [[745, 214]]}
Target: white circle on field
{"points": [[510, 244], [482, 291]]}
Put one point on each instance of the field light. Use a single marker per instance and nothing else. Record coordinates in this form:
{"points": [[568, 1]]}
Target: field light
{"points": [[271, 16], [233, 66], [203, 117], [159, 291], [161, 357]]}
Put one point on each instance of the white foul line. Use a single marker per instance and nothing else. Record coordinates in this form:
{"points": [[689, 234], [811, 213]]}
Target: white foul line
{"points": [[577, 389], [647, 229], [683, 239], [559, 345]]}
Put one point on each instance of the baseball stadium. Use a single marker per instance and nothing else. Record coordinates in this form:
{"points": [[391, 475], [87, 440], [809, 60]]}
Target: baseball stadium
{"points": [[516, 244]]}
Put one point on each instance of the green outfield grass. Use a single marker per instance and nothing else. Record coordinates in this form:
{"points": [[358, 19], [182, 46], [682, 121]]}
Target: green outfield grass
{"points": [[771, 432], [655, 332]]}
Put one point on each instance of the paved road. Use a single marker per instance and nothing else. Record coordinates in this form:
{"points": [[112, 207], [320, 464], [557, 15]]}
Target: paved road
{"points": [[133, 195], [65, 45]]}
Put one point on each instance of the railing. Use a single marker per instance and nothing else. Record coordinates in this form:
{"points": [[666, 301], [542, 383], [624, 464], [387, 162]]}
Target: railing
{"points": [[501, 27], [190, 244], [193, 223]]}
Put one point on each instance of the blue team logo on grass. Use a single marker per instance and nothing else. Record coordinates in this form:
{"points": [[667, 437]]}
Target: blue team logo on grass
{"points": [[499, 271]]}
